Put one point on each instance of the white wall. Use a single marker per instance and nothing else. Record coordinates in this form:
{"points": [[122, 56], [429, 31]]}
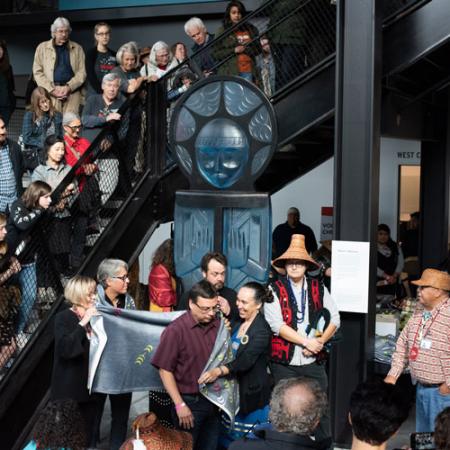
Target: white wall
{"points": [[308, 193], [145, 258], [315, 189]]}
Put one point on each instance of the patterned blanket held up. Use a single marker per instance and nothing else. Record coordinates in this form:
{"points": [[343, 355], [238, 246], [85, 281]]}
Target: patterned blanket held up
{"points": [[122, 346]]}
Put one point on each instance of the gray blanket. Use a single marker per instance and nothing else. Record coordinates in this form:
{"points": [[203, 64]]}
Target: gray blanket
{"points": [[122, 346]]}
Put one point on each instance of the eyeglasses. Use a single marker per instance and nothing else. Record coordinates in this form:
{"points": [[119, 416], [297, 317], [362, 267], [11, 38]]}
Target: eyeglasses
{"points": [[207, 309], [75, 127], [123, 278], [106, 33]]}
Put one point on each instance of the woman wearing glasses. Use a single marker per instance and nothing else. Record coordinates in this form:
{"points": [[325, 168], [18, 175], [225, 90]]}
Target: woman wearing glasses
{"points": [[71, 358], [112, 276], [100, 59]]}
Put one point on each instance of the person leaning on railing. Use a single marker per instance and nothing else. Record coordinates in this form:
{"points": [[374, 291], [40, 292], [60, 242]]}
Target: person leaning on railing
{"points": [[127, 58], [25, 212], [99, 111], [161, 61], [130, 81], [53, 172], [9, 300], [239, 43]]}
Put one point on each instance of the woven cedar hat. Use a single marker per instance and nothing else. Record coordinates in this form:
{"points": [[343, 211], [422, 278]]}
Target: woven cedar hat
{"points": [[296, 250], [434, 278], [157, 437]]}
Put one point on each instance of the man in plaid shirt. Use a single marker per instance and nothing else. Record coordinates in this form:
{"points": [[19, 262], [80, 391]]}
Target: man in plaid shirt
{"points": [[424, 345]]}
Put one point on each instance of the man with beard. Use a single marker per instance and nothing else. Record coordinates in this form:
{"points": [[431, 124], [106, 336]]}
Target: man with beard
{"points": [[214, 267], [11, 169]]}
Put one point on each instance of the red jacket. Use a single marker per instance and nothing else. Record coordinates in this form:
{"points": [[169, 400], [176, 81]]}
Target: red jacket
{"points": [[80, 145], [161, 288]]}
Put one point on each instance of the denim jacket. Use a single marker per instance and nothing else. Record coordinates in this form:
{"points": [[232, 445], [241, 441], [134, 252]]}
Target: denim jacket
{"points": [[35, 132]]}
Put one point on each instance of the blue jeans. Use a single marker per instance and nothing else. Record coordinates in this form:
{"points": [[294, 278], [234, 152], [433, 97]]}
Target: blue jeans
{"points": [[28, 288], [205, 433], [429, 403]]}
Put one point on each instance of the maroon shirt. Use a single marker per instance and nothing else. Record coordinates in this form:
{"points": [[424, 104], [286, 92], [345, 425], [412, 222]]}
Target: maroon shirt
{"points": [[184, 350]]}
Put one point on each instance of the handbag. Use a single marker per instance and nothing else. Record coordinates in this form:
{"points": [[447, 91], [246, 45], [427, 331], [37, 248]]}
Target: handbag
{"points": [[31, 155], [90, 197]]}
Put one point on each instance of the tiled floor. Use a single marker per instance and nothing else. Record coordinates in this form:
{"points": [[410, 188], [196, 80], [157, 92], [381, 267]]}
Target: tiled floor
{"points": [[139, 405]]}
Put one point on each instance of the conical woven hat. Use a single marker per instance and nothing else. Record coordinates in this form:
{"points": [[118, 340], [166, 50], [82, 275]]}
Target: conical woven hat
{"points": [[296, 250], [434, 278]]}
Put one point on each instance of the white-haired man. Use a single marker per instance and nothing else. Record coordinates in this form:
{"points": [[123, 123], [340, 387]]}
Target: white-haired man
{"points": [[196, 30], [99, 110], [295, 410], [59, 67]]}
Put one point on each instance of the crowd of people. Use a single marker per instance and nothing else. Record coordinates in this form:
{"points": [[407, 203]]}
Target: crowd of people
{"points": [[277, 333], [74, 94]]}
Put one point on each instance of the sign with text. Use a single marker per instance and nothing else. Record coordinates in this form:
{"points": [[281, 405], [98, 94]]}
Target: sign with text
{"points": [[326, 223], [350, 275], [65, 5]]}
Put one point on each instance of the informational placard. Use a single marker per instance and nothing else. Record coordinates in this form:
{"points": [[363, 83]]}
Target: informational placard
{"points": [[350, 275], [96, 4]]}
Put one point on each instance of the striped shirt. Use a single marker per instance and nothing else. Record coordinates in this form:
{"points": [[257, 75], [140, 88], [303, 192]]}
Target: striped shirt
{"points": [[8, 188], [432, 364]]}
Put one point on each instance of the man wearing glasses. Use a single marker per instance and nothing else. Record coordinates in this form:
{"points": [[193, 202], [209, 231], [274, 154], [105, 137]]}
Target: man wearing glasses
{"points": [[303, 318], [181, 356], [75, 147], [59, 67], [424, 346]]}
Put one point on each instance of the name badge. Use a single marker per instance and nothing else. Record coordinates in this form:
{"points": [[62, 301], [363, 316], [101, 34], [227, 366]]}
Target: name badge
{"points": [[425, 344]]}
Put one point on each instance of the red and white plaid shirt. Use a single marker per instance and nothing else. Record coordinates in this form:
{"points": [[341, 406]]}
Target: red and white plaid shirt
{"points": [[432, 365]]}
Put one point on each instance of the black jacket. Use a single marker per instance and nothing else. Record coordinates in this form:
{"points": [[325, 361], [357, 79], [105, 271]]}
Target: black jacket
{"points": [[275, 440], [282, 238], [71, 359], [250, 367], [21, 222], [204, 60]]}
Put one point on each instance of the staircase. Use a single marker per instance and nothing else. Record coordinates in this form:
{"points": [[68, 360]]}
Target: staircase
{"points": [[304, 106]]}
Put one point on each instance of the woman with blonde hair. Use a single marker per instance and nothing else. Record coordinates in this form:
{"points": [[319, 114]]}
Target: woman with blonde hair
{"points": [[39, 122], [71, 355]]}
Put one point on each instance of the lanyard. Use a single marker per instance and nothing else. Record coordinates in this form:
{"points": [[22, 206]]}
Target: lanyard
{"points": [[420, 329], [301, 311]]}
